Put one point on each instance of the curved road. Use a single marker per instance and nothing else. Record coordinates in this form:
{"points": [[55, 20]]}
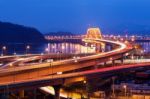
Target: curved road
{"points": [[43, 71]]}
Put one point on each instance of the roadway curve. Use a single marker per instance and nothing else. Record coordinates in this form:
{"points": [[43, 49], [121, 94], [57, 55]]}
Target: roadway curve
{"points": [[41, 72]]}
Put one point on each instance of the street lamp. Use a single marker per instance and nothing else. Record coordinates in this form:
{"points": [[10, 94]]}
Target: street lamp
{"points": [[27, 49], [3, 50], [142, 53], [125, 90], [84, 81], [126, 55], [86, 45], [41, 57], [58, 52], [111, 61], [15, 53], [47, 50], [53, 48], [51, 67], [63, 47]]}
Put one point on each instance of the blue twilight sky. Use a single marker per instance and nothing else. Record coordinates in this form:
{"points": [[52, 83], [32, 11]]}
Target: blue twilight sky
{"points": [[77, 15]]}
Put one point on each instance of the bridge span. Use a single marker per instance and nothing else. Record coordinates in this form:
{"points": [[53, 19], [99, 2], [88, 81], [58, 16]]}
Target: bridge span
{"points": [[59, 72], [11, 76]]}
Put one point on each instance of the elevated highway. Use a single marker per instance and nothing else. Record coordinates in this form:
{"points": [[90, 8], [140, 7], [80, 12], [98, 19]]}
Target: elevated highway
{"points": [[16, 75]]}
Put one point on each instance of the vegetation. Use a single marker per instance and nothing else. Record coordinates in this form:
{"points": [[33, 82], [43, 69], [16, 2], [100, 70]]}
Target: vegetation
{"points": [[13, 33]]}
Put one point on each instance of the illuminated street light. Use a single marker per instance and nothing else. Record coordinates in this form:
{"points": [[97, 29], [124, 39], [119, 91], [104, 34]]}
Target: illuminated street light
{"points": [[84, 81], [41, 58], [47, 50], [3, 50], [27, 49], [86, 45], [51, 67], [4, 47], [142, 53], [15, 53], [58, 55], [63, 47], [125, 90], [126, 54], [111, 60], [53, 48]]}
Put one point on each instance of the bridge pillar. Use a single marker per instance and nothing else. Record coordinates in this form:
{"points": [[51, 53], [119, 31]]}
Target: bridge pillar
{"points": [[21, 94], [57, 91]]}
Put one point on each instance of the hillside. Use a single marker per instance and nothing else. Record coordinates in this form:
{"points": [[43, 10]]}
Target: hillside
{"points": [[13, 33]]}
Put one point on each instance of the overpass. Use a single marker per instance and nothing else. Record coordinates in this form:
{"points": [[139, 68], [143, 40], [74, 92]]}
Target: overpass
{"points": [[43, 74], [22, 73]]}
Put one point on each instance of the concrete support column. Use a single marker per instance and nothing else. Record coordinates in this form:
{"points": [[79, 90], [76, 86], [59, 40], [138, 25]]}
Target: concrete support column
{"points": [[57, 91], [21, 94]]}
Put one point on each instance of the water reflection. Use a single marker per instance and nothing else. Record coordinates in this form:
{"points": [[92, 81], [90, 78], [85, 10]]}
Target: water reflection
{"points": [[57, 47], [46, 48], [69, 48], [145, 46]]}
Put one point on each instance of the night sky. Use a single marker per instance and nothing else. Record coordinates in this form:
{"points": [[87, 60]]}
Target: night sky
{"points": [[77, 15]]}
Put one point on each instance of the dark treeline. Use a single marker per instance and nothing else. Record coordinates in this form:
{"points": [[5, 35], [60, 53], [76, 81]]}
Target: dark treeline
{"points": [[13, 33]]}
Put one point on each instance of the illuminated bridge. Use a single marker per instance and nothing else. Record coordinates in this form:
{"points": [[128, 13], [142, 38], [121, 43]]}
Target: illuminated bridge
{"points": [[56, 73]]}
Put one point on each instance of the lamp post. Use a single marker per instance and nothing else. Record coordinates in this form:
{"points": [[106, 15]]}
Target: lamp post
{"points": [[86, 45], [125, 90], [27, 49], [47, 50], [58, 52], [51, 67], [3, 50], [142, 53], [15, 53], [111, 60], [63, 48], [53, 48], [41, 60]]}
